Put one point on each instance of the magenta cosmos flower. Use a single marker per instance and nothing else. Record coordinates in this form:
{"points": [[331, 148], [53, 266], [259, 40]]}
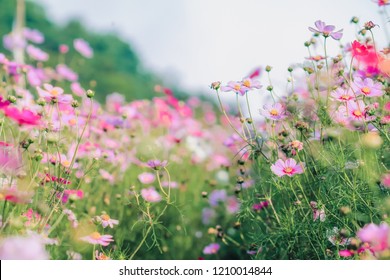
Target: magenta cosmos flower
{"points": [[274, 112], [377, 236], [157, 164], [211, 249], [368, 87], [83, 48], [24, 117], [97, 238], [326, 30], [289, 167]]}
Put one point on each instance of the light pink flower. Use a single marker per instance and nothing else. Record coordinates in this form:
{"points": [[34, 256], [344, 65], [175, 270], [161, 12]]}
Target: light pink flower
{"points": [[33, 35], [66, 73], [23, 248], [97, 238], [326, 30], [36, 53], [146, 178], [274, 112], [386, 180], [368, 87], [51, 93], [107, 176], [106, 221], [343, 95], [150, 195], [83, 48], [251, 84], [237, 87], [288, 167], [378, 236]]}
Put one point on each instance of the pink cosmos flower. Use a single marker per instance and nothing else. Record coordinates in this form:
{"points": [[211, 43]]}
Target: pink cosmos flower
{"points": [[83, 48], [343, 95], [63, 49], [66, 73], [346, 253], [71, 217], [358, 49], [237, 87], [377, 236], [232, 205], [157, 164], [36, 53], [251, 84], [356, 110], [382, 2], [326, 30], [71, 195], [211, 249], [106, 221], [296, 145], [274, 112], [24, 117], [97, 238], [261, 205], [33, 35], [77, 89], [386, 180], [23, 248], [107, 176], [288, 167], [51, 93], [150, 195], [368, 87], [146, 178]]}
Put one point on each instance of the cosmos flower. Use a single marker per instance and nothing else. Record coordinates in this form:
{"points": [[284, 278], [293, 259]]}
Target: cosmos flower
{"points": [[326, 30], [368, 87], [24, 117], [83, 47], [98, 239], [236, 87], [157, 164], [146, 178], [378, 236], [23, 248], [343, 95], [289, 167], [211, 249], [150, 195], [36, 53], [51, 93], [274, 112], [106, 221], [358, 49]]}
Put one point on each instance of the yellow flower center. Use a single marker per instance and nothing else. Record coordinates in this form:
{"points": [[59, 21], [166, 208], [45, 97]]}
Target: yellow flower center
{"points": [[54, 92], [345, 97], [72, 121], [105, 217], [95, 235], [237, 87], [288, 170], [247, 83], [366, 90], [274, 112], [66, 163], [357, 113]]}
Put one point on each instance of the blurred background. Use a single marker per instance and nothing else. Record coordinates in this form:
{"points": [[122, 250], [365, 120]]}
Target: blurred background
{"points": [[187, 45]]}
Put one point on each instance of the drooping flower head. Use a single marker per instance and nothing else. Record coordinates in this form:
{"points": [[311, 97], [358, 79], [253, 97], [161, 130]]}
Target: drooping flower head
{"points": [[97, 238]]}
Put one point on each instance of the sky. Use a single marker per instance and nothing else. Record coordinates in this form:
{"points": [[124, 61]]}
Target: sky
{"points": [[192, 43]]}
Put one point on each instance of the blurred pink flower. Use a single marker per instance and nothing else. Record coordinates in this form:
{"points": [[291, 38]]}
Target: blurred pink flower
{"points": [[346, 253], [36, 53], [378, 236], [343, 95], [66, 73], [83, 47], [288, 167], [146, 178], [77, 89], [157, 164], [23, 248], [237, 87], [386, 180], [33, 35], [97, 238], [50, 93], [63, 49], [211, 249], [150, 195], [24, 117]]}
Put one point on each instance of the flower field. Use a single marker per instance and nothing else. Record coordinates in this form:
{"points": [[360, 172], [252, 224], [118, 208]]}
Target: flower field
{"points": [[304, 176]]}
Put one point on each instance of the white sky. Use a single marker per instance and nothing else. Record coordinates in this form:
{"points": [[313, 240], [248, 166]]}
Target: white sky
{"points": [[196, 42]]}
